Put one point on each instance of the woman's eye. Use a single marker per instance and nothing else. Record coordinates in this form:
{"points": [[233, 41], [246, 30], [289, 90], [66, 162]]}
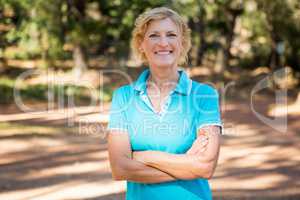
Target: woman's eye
{"points": [[153, 35], [172, 35]]}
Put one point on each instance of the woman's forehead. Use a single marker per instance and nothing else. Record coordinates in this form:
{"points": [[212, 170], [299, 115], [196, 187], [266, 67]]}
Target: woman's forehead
{"points": [[162, 25]]}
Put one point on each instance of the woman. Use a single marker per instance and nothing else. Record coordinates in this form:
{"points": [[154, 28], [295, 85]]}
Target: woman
{"points": [[164, 127]]}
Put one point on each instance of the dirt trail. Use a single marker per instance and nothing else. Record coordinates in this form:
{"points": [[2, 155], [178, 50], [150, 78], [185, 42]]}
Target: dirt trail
{"points": [[42, 159]]}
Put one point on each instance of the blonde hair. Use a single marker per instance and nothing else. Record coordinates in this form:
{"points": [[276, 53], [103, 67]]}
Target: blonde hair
{"points": [[159, 13]]}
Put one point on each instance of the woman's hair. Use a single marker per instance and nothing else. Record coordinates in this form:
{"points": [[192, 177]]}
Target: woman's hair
{"points": [[142, 23]]}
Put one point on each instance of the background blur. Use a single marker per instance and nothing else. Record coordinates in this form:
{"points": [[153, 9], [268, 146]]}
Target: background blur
{"points": [[60, 61]]}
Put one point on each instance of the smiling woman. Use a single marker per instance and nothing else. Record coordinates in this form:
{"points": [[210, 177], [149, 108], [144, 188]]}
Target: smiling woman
{"points": [[178, 33], [164, 128], [162, 43]]}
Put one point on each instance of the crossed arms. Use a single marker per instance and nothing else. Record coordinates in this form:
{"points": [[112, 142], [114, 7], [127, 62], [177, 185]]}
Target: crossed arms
{"points": [[156, 166]]}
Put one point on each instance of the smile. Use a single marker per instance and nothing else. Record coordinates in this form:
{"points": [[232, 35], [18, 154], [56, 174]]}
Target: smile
{"points": [[163, 52]]}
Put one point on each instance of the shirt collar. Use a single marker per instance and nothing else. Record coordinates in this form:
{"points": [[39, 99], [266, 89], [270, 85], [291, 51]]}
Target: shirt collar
{"points": [[140, 84], [183, 86]]}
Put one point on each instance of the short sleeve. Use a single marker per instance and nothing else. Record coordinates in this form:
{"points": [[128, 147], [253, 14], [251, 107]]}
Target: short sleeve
{"points": [[208, 109], [117, 117]]}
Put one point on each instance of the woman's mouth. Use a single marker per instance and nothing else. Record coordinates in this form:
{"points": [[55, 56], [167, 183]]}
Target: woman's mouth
{"points": [[163, 52]]}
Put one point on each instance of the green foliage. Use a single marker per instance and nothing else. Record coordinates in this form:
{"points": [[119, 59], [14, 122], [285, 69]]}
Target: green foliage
{"points": [[60, 92], [6, 90], [51, 29]]}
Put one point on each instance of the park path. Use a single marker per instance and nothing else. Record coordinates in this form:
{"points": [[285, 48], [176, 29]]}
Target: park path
{"points": [[42, 159]]}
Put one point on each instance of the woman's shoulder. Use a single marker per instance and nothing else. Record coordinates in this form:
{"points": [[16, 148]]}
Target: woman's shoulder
{"points": [[123, 92], [123, 89], [203, 88]]}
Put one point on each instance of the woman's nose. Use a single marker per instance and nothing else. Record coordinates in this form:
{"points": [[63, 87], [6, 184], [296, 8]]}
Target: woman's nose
{"points": [[163, 41]]}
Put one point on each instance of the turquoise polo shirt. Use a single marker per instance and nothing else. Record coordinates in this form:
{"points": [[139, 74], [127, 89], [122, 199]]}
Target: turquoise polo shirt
{"points": [[190, 106]]}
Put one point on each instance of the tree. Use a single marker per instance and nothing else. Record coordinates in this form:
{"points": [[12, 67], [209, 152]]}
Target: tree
{"points": [[76, 22], [278, 16], [2, 36]]}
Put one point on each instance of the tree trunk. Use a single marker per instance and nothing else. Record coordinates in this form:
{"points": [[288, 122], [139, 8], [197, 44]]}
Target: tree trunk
{"points": [[2, 64], [294, 59], [274, 58], [232, 15], [219, 65], [200, 28], [3, 40], [76, 12], [80, 63]]}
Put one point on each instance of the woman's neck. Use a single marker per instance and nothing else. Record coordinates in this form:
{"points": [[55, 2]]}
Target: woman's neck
{"points": [[163, 79]]}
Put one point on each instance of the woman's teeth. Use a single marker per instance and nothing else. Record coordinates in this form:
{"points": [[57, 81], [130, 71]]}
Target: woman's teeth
{"points": [[163, 52]]}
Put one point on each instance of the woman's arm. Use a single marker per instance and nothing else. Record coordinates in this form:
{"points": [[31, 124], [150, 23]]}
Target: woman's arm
{"points": [[125, 168], [196, 163]]}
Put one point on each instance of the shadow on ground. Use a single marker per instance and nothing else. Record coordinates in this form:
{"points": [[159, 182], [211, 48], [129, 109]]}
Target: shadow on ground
{"points": [[256, 162]]}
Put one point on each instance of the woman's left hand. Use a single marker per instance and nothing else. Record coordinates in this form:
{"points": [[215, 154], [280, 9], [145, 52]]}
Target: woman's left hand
{"points": [[199, 146]]}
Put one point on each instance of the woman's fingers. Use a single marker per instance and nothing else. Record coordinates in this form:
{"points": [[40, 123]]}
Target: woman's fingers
{"points": [[191, 150], [201, 132], [202, 140], [202, 144], [199, 145], [201, 150]]}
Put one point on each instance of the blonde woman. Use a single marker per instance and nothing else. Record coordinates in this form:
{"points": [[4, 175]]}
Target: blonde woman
{"points": [[164, 128]]}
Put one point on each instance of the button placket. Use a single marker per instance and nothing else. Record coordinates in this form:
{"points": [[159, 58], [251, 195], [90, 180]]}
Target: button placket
{"points": [[146, 100], [163, 111], [166, 106]]}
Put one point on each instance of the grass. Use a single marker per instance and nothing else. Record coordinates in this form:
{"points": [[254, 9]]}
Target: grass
{"points": [[41, 91]]}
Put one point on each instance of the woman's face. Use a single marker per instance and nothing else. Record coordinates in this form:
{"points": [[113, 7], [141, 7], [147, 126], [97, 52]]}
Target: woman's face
{"points": [[162, 43]]}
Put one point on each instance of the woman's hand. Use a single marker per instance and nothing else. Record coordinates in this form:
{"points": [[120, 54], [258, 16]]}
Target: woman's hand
{"points": [[200, 144]]}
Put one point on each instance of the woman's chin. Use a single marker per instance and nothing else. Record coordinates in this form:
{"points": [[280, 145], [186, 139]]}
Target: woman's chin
{"points": [[164, 64]]}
